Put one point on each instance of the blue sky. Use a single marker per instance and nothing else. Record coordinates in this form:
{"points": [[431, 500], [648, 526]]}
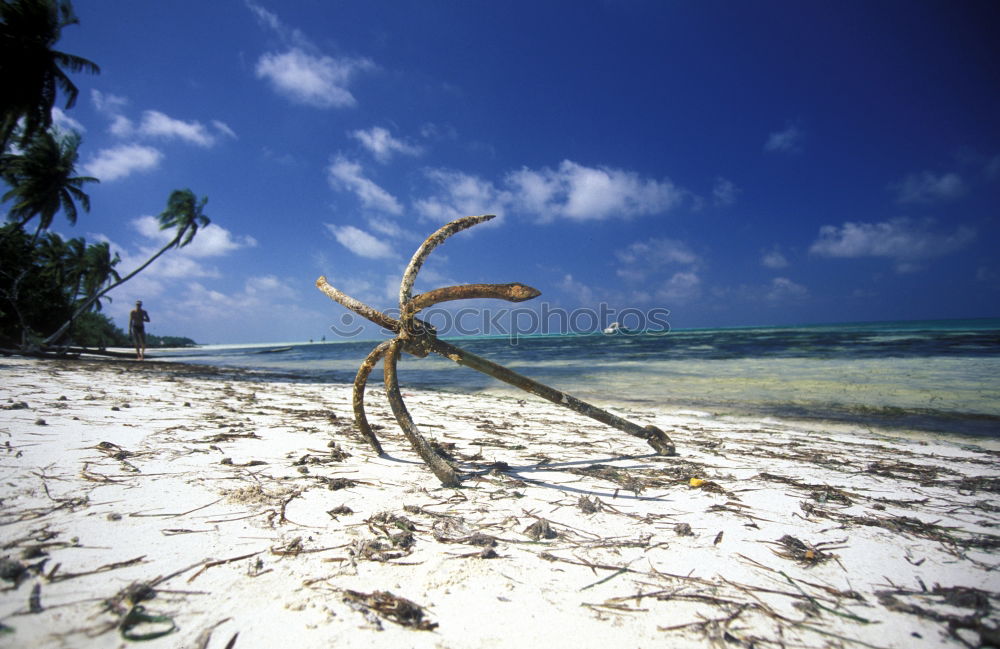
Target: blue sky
{"points": [[736, 163]]}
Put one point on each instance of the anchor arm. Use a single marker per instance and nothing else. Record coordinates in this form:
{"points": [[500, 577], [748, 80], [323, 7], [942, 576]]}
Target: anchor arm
{"points": [[360, 381], [514, 292], [432, 242], [357, 306], [441, 469]]}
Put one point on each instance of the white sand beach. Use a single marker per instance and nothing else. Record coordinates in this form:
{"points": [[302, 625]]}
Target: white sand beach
{"points": [[202, 508]]}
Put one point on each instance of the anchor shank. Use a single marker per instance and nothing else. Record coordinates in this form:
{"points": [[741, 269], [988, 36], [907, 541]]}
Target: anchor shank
{"points": [[654, 436]]}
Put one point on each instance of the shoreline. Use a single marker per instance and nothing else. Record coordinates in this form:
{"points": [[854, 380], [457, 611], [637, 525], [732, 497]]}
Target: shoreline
{"points": [[856, 424], [159, 494]]}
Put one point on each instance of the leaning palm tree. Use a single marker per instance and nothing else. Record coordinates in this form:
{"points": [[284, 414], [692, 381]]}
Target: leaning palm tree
{"points": [[31, 72], [43, 181], [185, 214]]}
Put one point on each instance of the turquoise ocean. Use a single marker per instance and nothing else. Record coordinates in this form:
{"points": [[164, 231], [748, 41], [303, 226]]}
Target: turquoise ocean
{"points": [[938, 377]]}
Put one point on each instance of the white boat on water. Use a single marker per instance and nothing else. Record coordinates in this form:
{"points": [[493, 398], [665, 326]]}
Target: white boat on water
{"points": [[613, 328]]}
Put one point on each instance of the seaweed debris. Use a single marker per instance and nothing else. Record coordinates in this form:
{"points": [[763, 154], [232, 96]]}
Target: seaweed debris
{"points": [[390, 607]]}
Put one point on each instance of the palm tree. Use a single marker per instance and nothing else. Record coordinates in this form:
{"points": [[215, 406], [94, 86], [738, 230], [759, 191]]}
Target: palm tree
{"points": [[61, 263], [184, 214], [40, 281], [31, 72], [98, 270], [43, 181]]}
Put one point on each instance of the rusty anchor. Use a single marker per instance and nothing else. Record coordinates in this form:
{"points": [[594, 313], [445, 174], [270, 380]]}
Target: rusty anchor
{"points": [[420, 339]]}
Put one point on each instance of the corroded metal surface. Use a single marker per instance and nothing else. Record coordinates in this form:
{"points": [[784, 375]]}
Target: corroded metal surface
{"points": [[360, 419], [510, 292], [444, 471], [419, 339], [653, 435]]}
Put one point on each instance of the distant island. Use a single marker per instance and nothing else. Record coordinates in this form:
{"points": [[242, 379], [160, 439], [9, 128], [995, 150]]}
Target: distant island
{"points": [[96, 330], [169, 341]]}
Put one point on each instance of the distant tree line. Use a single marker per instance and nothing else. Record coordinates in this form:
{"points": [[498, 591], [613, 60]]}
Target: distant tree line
{"points": [[51, 289], [98, 331]]}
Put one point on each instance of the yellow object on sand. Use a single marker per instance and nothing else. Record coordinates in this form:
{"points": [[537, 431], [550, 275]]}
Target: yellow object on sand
{"points": [[696, 482]]}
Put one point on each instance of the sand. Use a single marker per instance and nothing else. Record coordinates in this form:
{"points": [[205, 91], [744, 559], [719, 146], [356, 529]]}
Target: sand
{"points": [[194, 507]]}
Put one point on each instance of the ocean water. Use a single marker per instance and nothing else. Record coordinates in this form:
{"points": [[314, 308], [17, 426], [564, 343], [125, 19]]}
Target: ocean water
{"points": [[939, 377]]}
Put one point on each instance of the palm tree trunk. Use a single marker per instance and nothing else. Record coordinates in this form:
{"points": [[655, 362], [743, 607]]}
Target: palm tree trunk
{"points": [[13, 296], [98, 295], [38, 232]]}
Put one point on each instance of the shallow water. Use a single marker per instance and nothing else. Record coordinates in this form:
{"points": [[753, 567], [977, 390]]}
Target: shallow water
{"points": [[940, 377]]}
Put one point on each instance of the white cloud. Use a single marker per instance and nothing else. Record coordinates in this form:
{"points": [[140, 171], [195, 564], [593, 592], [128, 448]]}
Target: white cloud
{"points": [[265, 285], [112, 106], [208, 314], [180, 304], [581, 193], [107, 103], [346, 175], [271, 21], [267, 18], [211, 240], [360, 242], [121, 126], [782, 289], [902, 240], [157, 124], [656, 253], [173, 265], [314, 80], [724, 192], [64, 121], [774, 259], [582, 293], [535, 191], [786, 141], [120, 161], [682, 285], [433, 131], [927, 187], [461, 195], [382, 144], [644, 262], [223, 128], [149, 227], [572, 191], [391, 229]]}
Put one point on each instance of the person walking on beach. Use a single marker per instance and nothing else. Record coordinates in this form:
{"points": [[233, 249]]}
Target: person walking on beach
{"points": [[137, 320]]}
